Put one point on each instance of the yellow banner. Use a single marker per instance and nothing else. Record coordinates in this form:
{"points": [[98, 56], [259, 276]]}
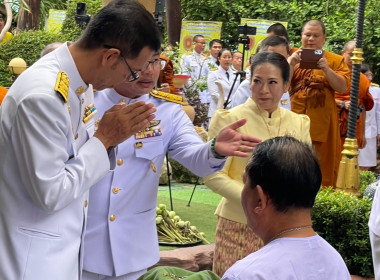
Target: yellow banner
{"points": [[56, 18], [261, 33], [209, 29]]}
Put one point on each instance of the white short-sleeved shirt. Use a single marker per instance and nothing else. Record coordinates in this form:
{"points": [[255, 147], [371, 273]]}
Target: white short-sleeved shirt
{"points": [[310, 258]]}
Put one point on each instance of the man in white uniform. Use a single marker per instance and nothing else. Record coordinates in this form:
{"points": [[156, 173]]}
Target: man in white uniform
{"points": [[215, 46], [49, 156], [195, 65], [368, 155], [121, 238]]}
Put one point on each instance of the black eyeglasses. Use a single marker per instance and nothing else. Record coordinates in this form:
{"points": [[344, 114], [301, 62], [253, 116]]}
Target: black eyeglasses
{"points": [[134, 74]]}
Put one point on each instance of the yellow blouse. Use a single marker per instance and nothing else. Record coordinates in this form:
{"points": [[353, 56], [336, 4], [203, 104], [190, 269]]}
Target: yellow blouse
{"points": [[228, 182]]}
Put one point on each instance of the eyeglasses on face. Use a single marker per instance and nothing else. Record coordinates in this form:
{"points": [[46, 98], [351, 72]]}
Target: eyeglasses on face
{"points": [[134, 74], [159, 62]]}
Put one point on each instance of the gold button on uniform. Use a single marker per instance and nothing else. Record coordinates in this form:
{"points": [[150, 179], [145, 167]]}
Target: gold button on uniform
{"points": [[112, 218], [115, 190], [154, 169], [120, 161], [76, 136], [85, 203]]}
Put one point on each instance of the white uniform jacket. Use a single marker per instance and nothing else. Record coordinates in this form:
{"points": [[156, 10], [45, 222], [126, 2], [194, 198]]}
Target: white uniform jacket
{"points": [[194, 64], [121, 231], [47, 164], [211, 63], [221, 76], [372, 119]]}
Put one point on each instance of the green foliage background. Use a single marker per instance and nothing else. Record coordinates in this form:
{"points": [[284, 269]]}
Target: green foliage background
{"points": [[29, 44], [339, 17]]}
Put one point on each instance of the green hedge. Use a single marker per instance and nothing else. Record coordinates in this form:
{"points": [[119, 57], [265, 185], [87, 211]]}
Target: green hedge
{"points": [[27, 45], [342, 220]]}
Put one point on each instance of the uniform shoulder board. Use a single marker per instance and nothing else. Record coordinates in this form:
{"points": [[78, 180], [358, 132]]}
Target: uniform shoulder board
{"points": [[375, 85], [62, 85], [167, 96], [214, 69]]}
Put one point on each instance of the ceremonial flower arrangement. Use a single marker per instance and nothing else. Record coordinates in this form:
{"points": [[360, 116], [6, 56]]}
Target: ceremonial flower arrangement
{"points": [[172, 230]]}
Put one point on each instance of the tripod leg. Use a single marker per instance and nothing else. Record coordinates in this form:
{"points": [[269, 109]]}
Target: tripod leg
{"points": [[195, 186], [169, 183]]}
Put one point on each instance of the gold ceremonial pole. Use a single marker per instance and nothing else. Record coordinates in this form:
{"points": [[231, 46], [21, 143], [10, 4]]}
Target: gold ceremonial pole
{"points": [[348, 175]]}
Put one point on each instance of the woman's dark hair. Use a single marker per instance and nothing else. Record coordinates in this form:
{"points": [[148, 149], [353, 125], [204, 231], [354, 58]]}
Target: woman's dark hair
{"points": [[287, 170], [122, 24], [273, 58], [220, 54]]}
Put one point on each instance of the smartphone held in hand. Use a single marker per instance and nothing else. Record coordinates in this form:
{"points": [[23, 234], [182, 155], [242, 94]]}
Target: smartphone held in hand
{"points": [[310, 58]]}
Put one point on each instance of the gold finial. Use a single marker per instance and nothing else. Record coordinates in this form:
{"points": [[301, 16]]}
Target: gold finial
{"points": [[348, 175], [357, 56]]}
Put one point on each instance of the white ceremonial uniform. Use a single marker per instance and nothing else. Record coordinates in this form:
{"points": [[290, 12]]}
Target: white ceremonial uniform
{"points": [[244, 92], [211, 64], [374, 232], [368, 156], [195, 65], [121, 236], [48, 163], [220, 75]]}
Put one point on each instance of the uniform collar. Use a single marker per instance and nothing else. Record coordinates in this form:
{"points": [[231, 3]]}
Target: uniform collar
{"points": [[67, 64], [115, 97], [255, 108]]}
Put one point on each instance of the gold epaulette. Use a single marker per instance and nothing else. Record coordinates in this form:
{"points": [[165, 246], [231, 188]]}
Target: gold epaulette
{"points": [[375, 85], [62, 85], [214, 69], [167, 96]]}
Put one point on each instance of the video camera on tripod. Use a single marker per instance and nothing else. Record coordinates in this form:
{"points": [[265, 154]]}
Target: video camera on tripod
{"points": [[81, 18], [244, 31]]}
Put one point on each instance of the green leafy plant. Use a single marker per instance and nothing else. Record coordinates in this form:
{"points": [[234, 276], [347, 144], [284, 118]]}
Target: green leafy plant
{"points": [[342, 219], [27, 45], [365, 178]]}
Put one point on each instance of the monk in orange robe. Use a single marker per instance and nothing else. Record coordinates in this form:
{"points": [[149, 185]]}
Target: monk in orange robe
{"points": [[365, 101], [312, 93], [167, 74], [3, 92]]}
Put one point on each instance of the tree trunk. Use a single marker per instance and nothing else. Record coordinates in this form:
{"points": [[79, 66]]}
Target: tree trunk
{"points": [[29, 19], [174, 21]]}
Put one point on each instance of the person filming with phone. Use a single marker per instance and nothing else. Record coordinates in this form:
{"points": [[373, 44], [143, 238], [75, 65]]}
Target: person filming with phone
{"points": [[315, 79]]}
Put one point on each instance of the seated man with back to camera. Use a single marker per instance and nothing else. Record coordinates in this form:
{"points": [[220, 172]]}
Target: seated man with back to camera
{"points": [[281, 182]]}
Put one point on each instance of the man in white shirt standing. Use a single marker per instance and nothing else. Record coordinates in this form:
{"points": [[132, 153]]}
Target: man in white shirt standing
{"points": [[195, 65]]}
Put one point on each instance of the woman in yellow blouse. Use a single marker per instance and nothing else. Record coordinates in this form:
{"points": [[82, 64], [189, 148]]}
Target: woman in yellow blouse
{"points": [[269, 80]]}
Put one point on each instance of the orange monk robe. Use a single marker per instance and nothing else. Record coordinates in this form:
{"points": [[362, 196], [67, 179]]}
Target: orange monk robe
{"points": [[167, 74], [312, 95], [364, 99], [3, 92]]}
